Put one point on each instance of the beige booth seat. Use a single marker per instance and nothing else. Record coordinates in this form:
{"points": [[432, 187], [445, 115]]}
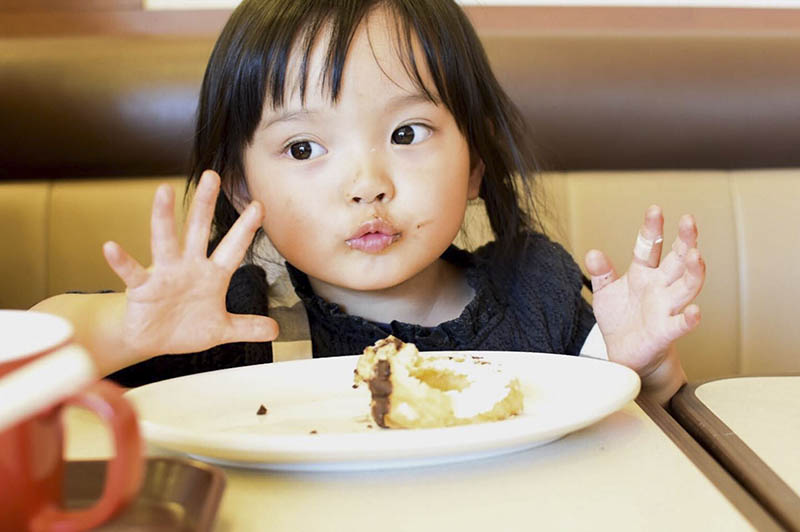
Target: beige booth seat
{"points": [[88, 152], [750, 239]]}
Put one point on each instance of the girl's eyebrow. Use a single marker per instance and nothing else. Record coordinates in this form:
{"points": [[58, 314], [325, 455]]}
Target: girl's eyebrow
{"points": [[288, 116], [409, 99], [397, 102]]}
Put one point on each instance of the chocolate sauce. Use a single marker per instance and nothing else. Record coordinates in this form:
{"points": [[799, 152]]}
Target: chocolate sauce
{"points": [[380, 386]]}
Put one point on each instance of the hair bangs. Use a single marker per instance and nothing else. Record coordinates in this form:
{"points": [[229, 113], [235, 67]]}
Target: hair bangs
{"points": [[338, 24], [422, 43]]}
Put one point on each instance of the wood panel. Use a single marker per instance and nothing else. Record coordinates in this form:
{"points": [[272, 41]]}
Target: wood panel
{"points": [[70, 5], [23, 18]]}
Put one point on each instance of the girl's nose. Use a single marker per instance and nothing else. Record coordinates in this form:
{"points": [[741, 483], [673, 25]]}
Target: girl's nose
{"points": [[371, 183], [369, 198]]}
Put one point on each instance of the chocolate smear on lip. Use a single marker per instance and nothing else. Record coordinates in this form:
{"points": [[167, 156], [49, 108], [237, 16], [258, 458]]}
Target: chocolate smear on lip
{"points": [[380, 386], [262, 410]]}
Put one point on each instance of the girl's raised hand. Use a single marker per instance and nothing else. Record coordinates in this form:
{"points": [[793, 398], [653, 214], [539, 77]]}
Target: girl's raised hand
{"points": [[177, 305], [641, 313]]}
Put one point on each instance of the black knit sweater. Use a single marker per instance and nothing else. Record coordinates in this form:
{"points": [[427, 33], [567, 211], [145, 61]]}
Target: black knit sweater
{"points": [[533, 303]]}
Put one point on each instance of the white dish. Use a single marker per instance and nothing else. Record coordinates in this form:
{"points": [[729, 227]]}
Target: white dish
{"points": [[26, 334], [316, 420]]}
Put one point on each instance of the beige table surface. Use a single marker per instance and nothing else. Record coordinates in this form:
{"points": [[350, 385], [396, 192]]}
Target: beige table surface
{"points": [[622, 473], [765, 413], [752, 427]]}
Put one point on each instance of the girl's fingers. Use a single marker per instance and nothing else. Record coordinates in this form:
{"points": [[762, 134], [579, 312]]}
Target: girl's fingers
{"points": [[250, 328], [687, 231], [232, 248], [674, 263], [163, 237], [600, 269], [198, 224], [688, 286], [131, 272], [647, 249], [682, 323]]}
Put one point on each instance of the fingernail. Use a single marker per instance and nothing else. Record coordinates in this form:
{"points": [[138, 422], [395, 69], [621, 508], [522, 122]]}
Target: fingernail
{"points": [[208, 175], [163, 191], [253, 208]]}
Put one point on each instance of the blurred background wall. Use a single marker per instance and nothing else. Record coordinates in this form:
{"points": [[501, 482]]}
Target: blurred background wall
{"points": [[197, 4]]}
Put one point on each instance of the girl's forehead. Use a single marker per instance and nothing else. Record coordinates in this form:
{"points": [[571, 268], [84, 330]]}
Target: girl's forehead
{"points": [[378, 55]]}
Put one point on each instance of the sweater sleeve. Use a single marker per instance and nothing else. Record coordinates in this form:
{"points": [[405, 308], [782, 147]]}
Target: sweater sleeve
{"points": [[247, 294]]}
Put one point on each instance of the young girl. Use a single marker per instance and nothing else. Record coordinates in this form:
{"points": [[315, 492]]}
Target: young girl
{"points": [[354, 133]]}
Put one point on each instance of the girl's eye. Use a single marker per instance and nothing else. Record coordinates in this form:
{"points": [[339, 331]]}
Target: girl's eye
{"points": [[411, 134], [305, 149]]}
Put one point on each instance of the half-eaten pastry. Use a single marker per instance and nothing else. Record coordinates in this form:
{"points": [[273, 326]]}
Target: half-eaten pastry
{"points": [[417, 390]]}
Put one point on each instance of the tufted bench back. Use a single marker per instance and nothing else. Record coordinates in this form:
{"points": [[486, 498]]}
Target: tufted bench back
{"points": [[92, 123]]}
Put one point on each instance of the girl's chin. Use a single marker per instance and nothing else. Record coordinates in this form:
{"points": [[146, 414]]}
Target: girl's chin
{"points": [[385, 273], [371, 281], [369, 285]]}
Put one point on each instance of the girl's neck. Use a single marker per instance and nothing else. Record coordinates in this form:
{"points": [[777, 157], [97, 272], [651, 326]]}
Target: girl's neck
{"points": [[437, 294]]}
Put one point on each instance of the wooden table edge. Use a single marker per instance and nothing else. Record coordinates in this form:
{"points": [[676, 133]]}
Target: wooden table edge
{"points": [[736, 494], [735, 456]]}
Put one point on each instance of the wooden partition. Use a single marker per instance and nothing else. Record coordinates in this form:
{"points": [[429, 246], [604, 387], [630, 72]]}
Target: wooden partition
{"points": [[70, 5], [20, 18]]}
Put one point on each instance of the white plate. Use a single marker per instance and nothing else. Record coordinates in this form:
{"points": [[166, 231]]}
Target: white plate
{"points": [[212, 416]]}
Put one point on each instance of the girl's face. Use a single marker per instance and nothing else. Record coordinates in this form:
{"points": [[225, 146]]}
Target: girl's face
{"points": [[365, 193]]}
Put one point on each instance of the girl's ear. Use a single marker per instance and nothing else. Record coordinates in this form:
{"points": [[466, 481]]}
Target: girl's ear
{"points": [[475, 178]]}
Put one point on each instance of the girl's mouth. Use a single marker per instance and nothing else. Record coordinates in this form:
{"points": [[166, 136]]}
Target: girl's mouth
{"points": [[373, 237]]}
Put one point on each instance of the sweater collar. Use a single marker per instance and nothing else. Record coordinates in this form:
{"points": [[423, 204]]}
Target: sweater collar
{"points": [[466, 325]]}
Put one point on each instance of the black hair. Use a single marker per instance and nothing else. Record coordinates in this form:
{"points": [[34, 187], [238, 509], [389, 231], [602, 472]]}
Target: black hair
{"points": [[248, 68]]}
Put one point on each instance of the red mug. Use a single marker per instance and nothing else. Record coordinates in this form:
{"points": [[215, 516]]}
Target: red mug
{"points": [[42, 371]]}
